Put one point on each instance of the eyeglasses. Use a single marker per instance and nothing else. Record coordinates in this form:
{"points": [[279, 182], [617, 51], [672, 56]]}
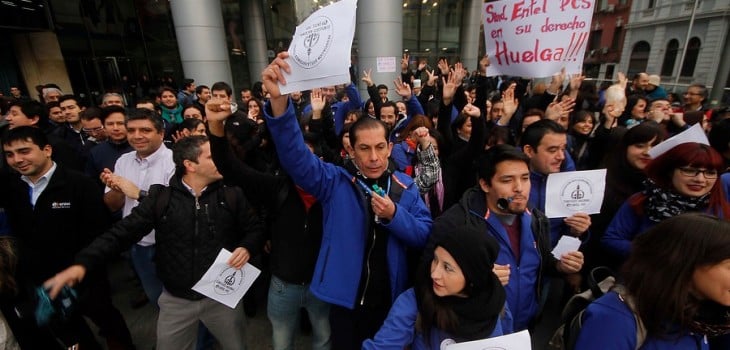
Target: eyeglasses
{"points": [[692, 172], [97, 129]]}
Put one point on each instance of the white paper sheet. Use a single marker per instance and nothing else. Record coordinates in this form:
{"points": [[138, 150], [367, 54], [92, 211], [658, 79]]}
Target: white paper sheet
{"points": [[385, 64], [225, 284], [693, 134], [572, 192], [514, 341], [566, 244], [319, 54]]}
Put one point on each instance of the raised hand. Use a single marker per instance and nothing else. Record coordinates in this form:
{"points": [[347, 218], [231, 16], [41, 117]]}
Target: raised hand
{"points": [[622, 80], [471, 110], [449, 88], [404, 62], [459, 72], [432, 78], [443, 66], [509, 102], [402, 89], [422, 64], [317, 101], [272, 76], [366, 78]]}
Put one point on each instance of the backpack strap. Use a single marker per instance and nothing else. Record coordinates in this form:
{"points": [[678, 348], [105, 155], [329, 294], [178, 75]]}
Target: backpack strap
{"points": [[162, 201], [624, 296]]}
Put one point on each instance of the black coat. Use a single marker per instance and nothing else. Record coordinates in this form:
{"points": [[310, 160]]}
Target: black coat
{"points": [[67, 216], [295, 233], [189, 233]]}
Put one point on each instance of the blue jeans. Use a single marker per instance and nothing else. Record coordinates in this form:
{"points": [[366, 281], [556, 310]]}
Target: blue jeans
{"points": [[285, 300], [142, 260]]}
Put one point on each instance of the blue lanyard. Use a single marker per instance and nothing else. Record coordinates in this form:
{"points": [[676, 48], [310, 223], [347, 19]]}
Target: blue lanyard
{"points": [[369, 191]]}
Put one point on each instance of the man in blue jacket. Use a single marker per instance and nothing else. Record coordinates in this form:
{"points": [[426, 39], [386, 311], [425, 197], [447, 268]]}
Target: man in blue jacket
{"points": [[499, 207], [544, 142], [372, 214]]}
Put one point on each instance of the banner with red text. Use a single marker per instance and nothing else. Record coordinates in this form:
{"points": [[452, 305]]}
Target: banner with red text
{"points": [[536, 38]]}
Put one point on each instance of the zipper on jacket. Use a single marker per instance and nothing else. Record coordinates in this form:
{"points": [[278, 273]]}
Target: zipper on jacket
{"points": [[367, 262], [196, 232]]}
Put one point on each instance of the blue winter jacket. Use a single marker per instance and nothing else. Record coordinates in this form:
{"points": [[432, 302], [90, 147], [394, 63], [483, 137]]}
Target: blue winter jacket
{"points": [[609, 324], [527, 273], [626, 225], [399, 329], [345, 214]]}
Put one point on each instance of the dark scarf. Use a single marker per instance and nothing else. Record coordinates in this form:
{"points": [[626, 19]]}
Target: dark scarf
{"points": [[663, 204], [711, 320]]}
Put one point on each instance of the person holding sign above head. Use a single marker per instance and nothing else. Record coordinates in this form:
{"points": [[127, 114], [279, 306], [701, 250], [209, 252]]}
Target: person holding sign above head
{"points": [[498, 207], [684, 179], [456, 296], [372, 214], [194, 218]]}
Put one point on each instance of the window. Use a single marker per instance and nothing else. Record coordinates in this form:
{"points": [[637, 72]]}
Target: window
{"points": [[639, 58], [670, 57], [652, 4], [617, 39], [690, 59], [594, 42]]}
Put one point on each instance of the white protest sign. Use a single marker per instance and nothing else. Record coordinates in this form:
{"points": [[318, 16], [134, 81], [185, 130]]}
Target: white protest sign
{"points": [[693, 134], [536, 38], [319, 54], [385, 64], [226, 284], [573, 192], [514, 341]]}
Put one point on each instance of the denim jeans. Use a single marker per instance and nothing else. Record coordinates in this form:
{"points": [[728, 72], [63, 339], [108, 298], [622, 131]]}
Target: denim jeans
{"points": [[285, 300], [142, 259]]}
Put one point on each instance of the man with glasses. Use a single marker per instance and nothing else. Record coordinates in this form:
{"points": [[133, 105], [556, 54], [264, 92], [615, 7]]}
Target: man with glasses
{"points": [[694, 98]]}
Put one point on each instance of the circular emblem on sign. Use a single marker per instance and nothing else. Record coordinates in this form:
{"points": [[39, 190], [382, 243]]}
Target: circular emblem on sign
{"points": [[446, 342], [311, 44], [228, 281], [576, 194]]}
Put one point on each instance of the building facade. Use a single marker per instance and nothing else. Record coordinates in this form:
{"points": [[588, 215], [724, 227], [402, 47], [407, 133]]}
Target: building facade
{"points": [[606, 40], [684, 41]]}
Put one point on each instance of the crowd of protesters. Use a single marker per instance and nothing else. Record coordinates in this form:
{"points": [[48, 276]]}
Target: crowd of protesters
{"points": [[406, 223]]}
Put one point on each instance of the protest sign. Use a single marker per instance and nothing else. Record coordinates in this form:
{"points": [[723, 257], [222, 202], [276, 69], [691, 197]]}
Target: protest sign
{"points": [[536, 38], [570, 192], [319, 54], [385, 64]]}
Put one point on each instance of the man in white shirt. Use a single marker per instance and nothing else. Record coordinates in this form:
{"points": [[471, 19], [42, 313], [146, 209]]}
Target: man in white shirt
{"points": [[134, 172]]}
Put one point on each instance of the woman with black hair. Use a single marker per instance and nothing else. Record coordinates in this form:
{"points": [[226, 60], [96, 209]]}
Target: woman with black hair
{"points": [[624, 177], [456, 298], [675, 292]]}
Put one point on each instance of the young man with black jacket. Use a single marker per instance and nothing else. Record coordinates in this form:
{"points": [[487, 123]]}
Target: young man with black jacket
{"points": [[193, 221]]}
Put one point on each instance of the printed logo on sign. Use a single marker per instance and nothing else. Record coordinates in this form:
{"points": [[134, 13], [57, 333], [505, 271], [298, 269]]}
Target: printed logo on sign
{"points": [[576, 194], [310, 46], [228, 281]]}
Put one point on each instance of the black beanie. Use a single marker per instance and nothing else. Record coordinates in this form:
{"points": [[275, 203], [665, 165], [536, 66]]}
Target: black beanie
{"points": [[474, 250]]}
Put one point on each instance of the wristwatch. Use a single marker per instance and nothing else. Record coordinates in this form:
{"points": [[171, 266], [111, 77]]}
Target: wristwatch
{"points": [[142, 194]]}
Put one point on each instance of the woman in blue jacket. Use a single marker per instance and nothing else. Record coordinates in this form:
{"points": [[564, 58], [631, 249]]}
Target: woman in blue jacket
{"points": [[684, 179], [677, 280], [456, 297]]}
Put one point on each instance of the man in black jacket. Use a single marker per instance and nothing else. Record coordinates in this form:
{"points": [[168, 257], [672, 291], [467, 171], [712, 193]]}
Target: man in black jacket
{"points": [[194, 218], [54, 212]]}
